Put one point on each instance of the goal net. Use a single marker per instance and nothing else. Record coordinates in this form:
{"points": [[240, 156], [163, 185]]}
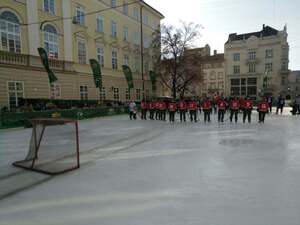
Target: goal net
{"points": [[53, 148]]}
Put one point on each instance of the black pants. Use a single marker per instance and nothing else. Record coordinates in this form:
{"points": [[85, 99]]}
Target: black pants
{"points": [[206, 115], [182, 115], [132, 115], [172, 116], [221, 113], [261, 116], [152, 114], [162, 115], [144, 114], [193, 115], [247, 114], [279, 107], [157, 112], [270, 107], [234, 112]]}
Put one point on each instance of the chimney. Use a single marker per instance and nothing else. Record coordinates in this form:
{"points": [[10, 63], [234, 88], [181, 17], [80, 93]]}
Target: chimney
{"points": [[264, 26], [215, 52]]}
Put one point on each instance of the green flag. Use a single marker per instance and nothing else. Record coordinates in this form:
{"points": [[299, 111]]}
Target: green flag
{"points": [[45, 62], [153, 79], [265, 80], [128, 75], [96, 72]]}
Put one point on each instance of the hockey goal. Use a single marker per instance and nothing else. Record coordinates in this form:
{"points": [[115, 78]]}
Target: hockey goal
{"points": [[53, 148]]}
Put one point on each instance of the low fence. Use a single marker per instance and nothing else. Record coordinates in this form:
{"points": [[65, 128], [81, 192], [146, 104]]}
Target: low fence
{"points": [[19, 119]]}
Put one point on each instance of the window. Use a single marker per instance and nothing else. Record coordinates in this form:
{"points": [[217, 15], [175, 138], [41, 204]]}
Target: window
{"points": [[136, 38], [251, 86], [116, 94], [103, 93], [100, 56], [236, 69], [269, 67], [113, 3], [83, 92], [126, 60], [136, 13], [125, 34], [269, 53], [10, 32], [146, 67], [145, 19], [154, 25], [282, 80], [125, 7], [252, 68], [127, 94], [80, 15], [15, 93], [100, 24], [235, 82], [138, 94], [147, 94], [114, 59], [146, 41], [81, 52], [137, 64], [252, 55], [49, 6], [284, 66], [220, 85], [236, 57], [220, 75], [113, 29], [55, 91], [212, 75], [51, 41]]}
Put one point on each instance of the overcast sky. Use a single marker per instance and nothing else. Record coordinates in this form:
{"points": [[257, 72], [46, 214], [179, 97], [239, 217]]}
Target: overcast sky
{"points": [[221, 17]]}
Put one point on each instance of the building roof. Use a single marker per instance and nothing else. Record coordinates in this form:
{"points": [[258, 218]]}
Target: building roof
{"points": [[156, 11], [213, 58], [295, 72], [265, 32]]}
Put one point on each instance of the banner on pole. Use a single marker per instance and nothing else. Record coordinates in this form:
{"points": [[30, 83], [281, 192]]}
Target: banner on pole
{"points": [[96, 72], [128, 75], [45, 62], [153, 79]]}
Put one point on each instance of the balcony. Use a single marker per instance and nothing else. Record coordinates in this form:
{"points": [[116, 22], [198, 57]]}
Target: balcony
{"points": [[14, 58]]}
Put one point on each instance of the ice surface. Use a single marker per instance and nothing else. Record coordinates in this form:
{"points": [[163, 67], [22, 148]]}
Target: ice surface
{"points": [[156, 173]]}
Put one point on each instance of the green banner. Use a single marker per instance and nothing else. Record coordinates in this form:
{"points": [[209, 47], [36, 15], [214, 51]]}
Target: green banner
{"points": [[153, 79], [128, 75], [45, 62], [96, 72]]}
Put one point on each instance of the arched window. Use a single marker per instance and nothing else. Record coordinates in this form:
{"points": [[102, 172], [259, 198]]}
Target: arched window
{"points": [[10, 32], [51, 41]]}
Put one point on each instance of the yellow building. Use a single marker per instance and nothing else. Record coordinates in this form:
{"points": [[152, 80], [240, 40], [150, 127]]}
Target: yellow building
{"points": [[72, 32]]}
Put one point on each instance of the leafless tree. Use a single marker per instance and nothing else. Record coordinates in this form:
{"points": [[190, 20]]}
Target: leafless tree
{"points": [[176, 69]]}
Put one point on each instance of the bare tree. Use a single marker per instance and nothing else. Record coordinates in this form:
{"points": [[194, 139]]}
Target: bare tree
{"points": [[176, 69]]}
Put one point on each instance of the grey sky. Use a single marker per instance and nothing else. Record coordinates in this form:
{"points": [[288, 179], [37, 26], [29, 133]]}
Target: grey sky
{"points": [[221, 17]]}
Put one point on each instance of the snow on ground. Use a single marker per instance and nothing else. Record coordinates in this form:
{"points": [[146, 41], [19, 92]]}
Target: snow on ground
{"points": [[156, 173]]}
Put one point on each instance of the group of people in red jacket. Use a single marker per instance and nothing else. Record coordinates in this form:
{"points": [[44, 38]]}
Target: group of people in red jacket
{"points": [[158, 109]]}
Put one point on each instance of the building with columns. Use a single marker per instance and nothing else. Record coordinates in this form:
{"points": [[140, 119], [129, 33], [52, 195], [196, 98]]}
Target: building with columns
{"points": [[250, 57], [72, 32]]}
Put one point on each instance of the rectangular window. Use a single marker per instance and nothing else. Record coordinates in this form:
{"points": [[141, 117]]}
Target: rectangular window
{"points": [[136, 13], [126, 60], [235, 82], [269, 67], [125, 34], [236, 69], [103, 93], [81, 52], [114, 59], [146, 67], [136, 38], [100, 56], [269, 53], [252, 68], [137, 64], [252, 55], [55, 91], [100, 24], [220, 85], [116, 94], [145, 19], [15, 93], [127, 94], [113, 29], [138, 94], [125, 8], [49, 6], [113, 3], [80, 15], [220, 75], [147, 94], [83, 92], [236, 57]]}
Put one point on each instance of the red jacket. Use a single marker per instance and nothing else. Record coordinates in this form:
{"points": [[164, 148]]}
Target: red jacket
{"points": [[222, 104], [143, 105], [152, 105], [248, 104], [172, 106], [242, 103], [157, 105], [206, 104], [162, 106], [235, 104], [193, 105], [263, 106], [182, 105]]}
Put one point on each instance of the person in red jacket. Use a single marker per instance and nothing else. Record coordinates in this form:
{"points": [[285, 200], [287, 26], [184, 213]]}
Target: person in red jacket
{"points": [[234, 109], [248, 106], [262, 109], [162, 109], [152, 109], [144, 108], [242, 104], [221, 110], [182, 109], [172, 111], [193, 106], [157, 111], [207, 109]]}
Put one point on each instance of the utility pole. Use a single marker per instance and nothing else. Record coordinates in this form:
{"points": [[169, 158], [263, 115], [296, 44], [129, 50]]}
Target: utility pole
{"points": [[142, 51]]}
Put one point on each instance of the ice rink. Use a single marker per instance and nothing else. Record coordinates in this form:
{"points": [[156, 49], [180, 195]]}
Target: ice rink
{"points": [[157, 173]]}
